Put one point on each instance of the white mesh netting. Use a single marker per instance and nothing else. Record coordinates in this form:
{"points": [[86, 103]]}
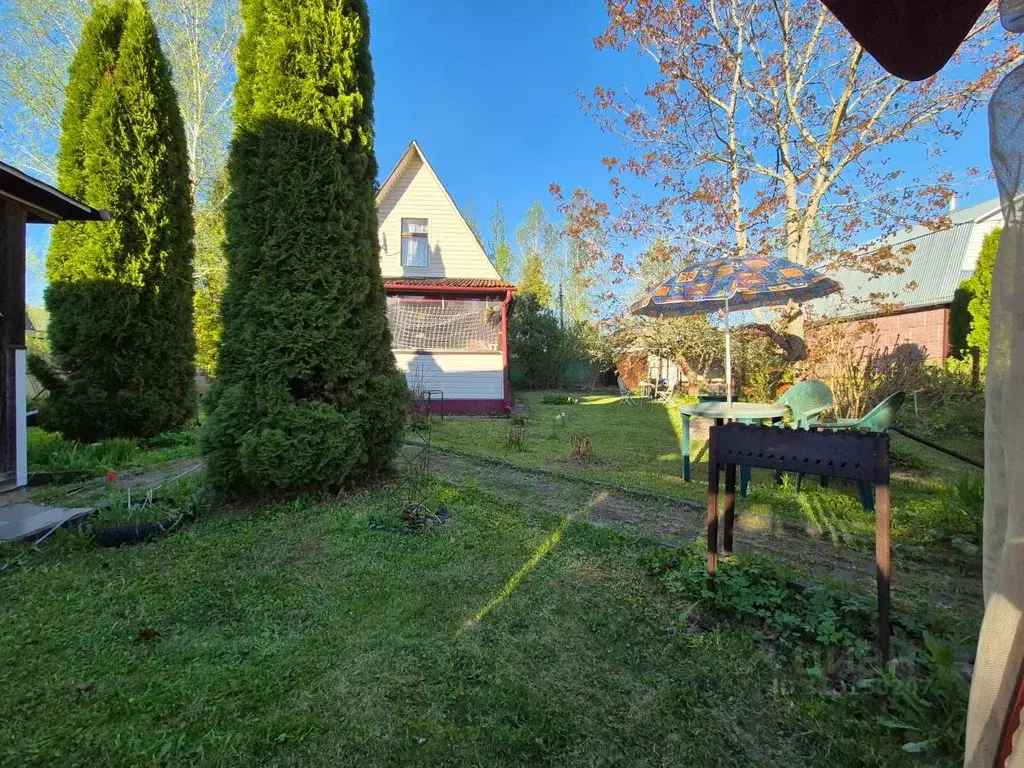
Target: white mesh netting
{"points": [[1001, 643], [461, 324]]}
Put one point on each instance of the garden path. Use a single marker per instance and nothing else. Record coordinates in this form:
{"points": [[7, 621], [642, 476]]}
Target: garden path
{"points": [[940, 579]]}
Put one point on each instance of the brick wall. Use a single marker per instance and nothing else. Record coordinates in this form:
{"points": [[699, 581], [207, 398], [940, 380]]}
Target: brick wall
{"points": [[927, 328]]}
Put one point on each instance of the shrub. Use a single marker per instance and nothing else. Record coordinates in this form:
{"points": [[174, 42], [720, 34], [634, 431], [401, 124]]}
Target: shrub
{"points": [[536, 343], [515, 438], [120, 293], [307, 393], [859, 370], [759, 366], [960, 320], [946, 405], [980, 287], [548, 356]]}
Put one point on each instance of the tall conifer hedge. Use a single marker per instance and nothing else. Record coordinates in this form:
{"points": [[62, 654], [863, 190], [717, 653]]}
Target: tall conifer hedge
{"points": [[980, 286], [120, 294], [307, 393]]}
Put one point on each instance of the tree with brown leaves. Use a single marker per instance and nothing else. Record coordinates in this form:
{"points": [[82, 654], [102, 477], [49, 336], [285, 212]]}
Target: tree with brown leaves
{"points": [[766, 130]]}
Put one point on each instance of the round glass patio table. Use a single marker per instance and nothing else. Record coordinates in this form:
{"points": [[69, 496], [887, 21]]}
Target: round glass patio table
{"points": [[747, 413]]}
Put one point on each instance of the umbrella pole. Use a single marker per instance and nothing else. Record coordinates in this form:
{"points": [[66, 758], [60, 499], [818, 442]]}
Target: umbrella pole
{"points": [[728, 356]]}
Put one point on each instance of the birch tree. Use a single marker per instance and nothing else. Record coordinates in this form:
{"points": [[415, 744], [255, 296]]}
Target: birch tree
{"points": [[763, 125], [39, 41], [200, 37], [40, 38], [501, 251]]}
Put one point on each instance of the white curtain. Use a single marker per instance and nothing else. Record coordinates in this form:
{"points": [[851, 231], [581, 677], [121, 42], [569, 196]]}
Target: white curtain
{"points": [[1001, 644]]}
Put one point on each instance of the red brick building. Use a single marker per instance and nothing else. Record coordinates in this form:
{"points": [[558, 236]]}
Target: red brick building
{"points": [[913, 307]]}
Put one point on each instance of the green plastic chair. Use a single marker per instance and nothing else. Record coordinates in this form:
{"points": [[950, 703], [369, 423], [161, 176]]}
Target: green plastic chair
{"points": [[807, 400], [878, 419]]}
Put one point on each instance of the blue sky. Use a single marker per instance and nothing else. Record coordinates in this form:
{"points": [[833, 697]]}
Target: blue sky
{"points": [[488, 89]]}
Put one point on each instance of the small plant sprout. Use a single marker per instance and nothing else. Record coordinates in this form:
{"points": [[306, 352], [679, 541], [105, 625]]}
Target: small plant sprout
{"points": [[515, 438]]}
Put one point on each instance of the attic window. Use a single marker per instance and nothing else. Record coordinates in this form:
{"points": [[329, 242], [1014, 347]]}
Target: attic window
{"points": [[414, 243]]}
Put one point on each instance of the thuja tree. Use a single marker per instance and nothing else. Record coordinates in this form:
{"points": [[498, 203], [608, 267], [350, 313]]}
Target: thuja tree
{"points": [[980, 287], [120, 294], [307, 393]]}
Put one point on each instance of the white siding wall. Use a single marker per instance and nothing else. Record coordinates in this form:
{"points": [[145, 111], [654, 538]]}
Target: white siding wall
{"points": [[454, 251], [461, 376], [978, 232], [21, 419]]}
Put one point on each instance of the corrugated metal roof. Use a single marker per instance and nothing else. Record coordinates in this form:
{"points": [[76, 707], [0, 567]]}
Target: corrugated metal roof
{"points": [[930, 279]]}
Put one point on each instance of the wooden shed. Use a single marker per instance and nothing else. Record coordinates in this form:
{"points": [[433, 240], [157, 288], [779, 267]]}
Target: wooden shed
{"points": [[23, 200]]}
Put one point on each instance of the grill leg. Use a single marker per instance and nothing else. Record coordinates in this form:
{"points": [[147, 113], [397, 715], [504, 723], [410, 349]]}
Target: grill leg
{"points": [[867, 498], [883, 565], [686, 448], [730, 508], [712, 521]]}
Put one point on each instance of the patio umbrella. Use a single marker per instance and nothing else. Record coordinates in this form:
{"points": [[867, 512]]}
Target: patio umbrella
{"points": [[728, 285]]}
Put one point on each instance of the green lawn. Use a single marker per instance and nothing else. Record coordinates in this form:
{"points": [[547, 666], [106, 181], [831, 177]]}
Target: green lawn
{"points": [[299, 636], [638, 446]]}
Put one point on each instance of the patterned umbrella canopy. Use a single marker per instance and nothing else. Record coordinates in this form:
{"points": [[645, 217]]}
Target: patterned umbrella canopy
{"points": [[733, 285]]}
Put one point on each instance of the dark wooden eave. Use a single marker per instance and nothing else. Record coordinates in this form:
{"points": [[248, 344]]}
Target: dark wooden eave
{"points": [[44, 204]]}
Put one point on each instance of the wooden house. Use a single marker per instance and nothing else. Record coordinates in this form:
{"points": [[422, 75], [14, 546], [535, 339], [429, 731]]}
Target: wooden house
{"points": [[448, 307]]}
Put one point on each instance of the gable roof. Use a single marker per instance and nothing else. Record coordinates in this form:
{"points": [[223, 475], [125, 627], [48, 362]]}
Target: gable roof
{"points": [[413, 150], [935, 269], [45, 204]]}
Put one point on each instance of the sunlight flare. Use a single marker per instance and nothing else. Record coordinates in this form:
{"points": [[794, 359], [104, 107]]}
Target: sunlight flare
{"points": [[549, 543]]}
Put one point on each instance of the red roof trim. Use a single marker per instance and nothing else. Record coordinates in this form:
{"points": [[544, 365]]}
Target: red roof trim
{"points": [[447, 283]]}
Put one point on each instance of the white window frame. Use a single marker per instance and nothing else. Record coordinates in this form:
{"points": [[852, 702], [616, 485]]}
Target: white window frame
{"points": [[415, 237]]}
